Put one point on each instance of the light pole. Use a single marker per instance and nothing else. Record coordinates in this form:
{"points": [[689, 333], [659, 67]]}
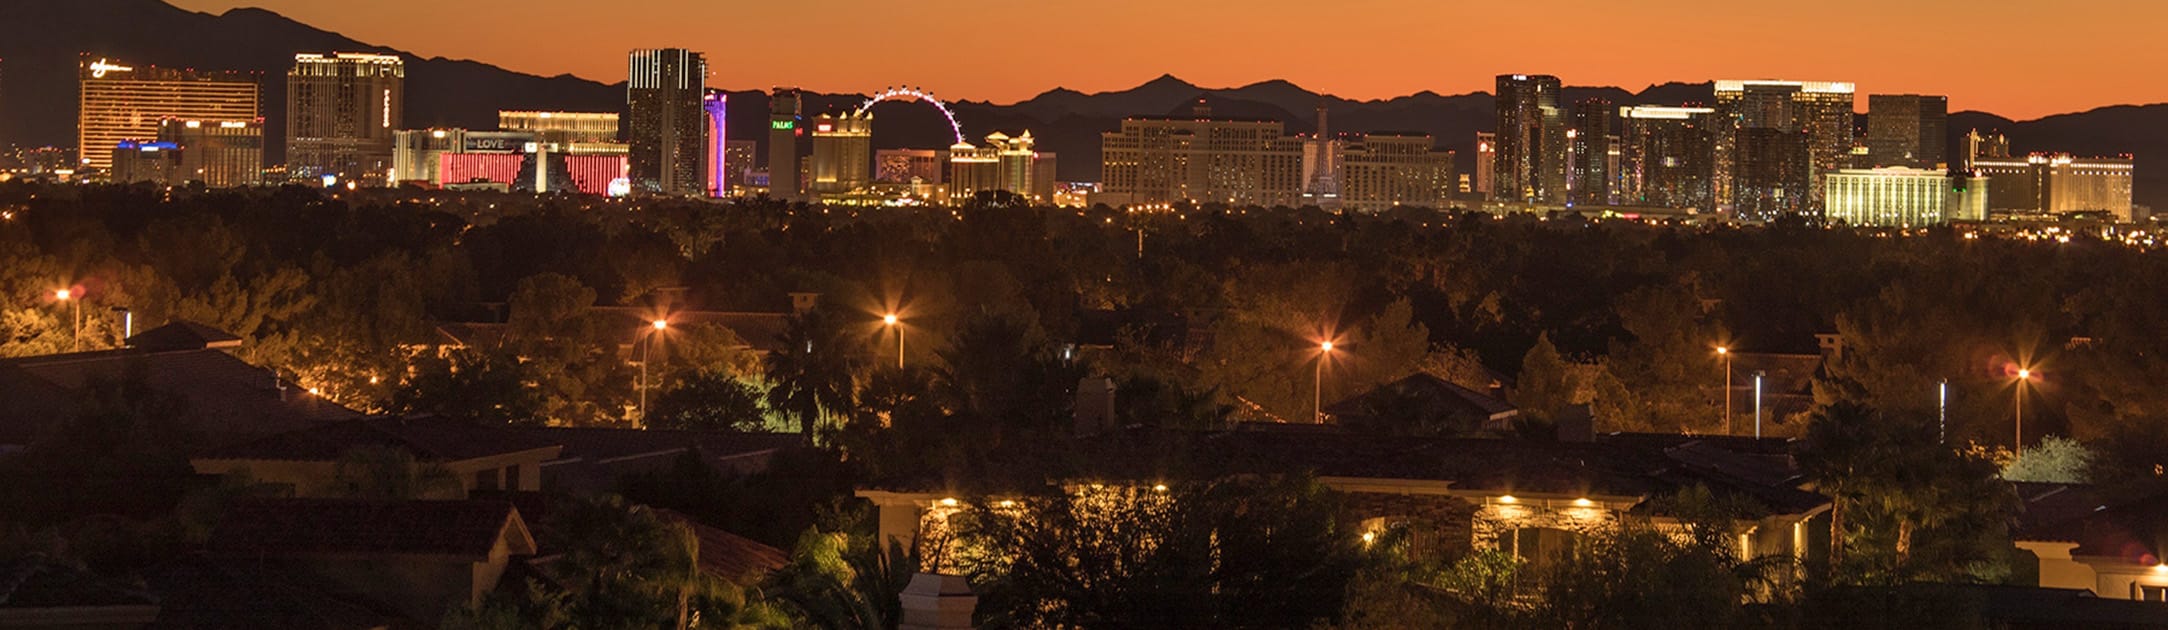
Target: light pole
{"points": [[891, 322], [1725, 353], [1317, 384], [1757, 403], [1942, 412], [75, 340], [646, 348], [2017, 442]]}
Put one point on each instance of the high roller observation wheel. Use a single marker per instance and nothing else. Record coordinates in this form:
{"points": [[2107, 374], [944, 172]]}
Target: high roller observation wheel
{"points": [[915, 94]]}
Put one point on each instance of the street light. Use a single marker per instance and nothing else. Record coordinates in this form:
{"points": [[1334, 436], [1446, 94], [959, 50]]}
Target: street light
{"points": [[890, 320], [1317, 384], [1757, 403], [1725, 352], [75, 341], [2017, 442], [647, 346]]}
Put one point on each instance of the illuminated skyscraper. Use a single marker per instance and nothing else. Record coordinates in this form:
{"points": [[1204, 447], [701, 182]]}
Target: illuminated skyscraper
{"points": [[1908, 130], [1820, 111], [1984, 146], [1200, 158], [738, 158], [218, 153], [717, 105], [2059, 184], [1322, 159], [1006, 163], [842, 153], [120, 102], [783, 144], [668, 128], [1531, 142], [1486, 163], [341, 112], [1385, 170], [1773, 173], [1902, 197], [1667, 156], [1590, 143]]}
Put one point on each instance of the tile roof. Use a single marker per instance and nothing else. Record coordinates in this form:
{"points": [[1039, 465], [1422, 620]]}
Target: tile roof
{"points": [[1434, 395], [200, 594], [429, 438], [182, 334], [2134, 529], [35, 581], [727, 555], [226, 400], [604, 444], [286, 528]]}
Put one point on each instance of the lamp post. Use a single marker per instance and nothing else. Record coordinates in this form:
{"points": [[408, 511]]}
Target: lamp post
{"points": [[647, 347], [1317, 384], [2017, 441], [75, 339], [1757, 403], [1942, 412], [1725, 353], [891, 322]]}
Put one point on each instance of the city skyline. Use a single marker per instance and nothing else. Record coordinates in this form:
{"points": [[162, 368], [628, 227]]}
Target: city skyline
{"points": [[1446, 53]]}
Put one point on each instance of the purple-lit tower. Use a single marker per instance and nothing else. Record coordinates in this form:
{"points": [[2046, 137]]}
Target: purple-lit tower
{"points": [[718, 107]]}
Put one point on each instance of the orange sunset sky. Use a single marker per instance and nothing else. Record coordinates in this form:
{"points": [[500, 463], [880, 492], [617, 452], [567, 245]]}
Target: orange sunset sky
{"points": [[2018, 58]]}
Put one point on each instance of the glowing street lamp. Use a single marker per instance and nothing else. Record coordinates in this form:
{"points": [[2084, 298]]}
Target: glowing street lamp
{"points": [[1725, 353], [1317, 384], [75, 341], [647, 346], [2017, 443], [893, 323]]}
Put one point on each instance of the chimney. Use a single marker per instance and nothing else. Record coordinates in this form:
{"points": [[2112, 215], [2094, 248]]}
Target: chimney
{"points": [[800, 303], [1094, 405]]}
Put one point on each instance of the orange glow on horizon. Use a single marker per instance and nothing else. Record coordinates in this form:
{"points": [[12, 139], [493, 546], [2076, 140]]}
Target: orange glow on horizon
{"points": [[869, 45]]}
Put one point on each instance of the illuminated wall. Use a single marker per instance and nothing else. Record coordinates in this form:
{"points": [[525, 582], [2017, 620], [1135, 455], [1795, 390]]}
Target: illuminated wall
{"points": [[1889, 197], [341, 112], [717, 105]]}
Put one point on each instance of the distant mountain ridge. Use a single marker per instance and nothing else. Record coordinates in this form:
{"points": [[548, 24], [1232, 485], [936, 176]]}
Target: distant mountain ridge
{"points": [[40, 41]]}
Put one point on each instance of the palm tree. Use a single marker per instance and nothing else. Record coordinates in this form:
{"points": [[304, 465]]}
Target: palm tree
{"points": [[815, 374]]}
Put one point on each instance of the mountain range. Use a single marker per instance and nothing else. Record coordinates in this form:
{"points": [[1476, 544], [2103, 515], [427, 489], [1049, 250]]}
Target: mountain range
{"points": [[41, 41]]}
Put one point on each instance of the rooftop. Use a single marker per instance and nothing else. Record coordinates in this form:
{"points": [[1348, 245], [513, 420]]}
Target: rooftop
{"points": [[429, 438], [277, 528]]}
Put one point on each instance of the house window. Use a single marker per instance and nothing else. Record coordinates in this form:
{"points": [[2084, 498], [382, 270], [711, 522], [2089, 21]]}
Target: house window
{"points": [[2150, 593], [490, 479], [511, 478]]}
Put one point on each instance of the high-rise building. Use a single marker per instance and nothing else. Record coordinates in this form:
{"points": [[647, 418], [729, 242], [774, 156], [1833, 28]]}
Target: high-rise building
{"points": [[1322, 158], [1589, 178], [414, 153], [146, 162], [842, 153], [220, 153], [1908, 130], [1773, 173], [1900, 196], [2059, 184], [562, 128], [717, 105], [667, 128], [119, 102], [738, 161], [1203, 159], [902, 166], [1531, 141], [1667, 157], [1486, 163], [1385, 170], [341, 112], [1819, 110], [1984, 146], [783, 115], [1005, 163]]}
